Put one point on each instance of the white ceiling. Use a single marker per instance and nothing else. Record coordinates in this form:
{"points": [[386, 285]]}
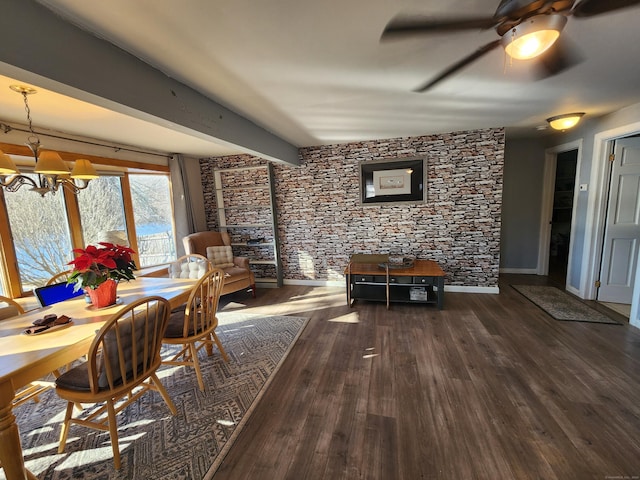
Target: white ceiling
{"points": [[315, 72]]}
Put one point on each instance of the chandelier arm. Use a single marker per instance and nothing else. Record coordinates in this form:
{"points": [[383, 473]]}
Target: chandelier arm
{"points": [[72, 186], [14, 182]]}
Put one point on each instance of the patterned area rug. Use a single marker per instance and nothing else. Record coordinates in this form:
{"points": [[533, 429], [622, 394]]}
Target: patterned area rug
{"points": [[561, 305], [153, 443]]}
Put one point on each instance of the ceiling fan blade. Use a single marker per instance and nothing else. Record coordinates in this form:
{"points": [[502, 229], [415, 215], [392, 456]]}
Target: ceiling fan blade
{"points": [[460, 64], [562, 56], [404, 26], [589, 8]]}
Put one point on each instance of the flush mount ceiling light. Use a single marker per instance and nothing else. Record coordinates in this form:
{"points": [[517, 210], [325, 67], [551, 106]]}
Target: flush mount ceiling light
{"points": [[566, 121], [533, 37], [52, 171]]}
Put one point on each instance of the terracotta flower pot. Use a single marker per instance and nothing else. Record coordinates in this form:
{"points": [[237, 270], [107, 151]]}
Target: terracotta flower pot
{"points": [[104, 295]]}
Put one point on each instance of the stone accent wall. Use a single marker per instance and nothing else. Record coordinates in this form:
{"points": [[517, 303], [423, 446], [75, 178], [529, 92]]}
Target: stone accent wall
{"points": [[321, 221]]}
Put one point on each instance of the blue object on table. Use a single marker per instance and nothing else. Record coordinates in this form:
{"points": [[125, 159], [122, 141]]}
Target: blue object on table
{"points": [[56, 293]]}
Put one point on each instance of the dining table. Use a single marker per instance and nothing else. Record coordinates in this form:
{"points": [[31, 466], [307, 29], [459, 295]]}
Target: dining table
{"points": [[27, 358]]}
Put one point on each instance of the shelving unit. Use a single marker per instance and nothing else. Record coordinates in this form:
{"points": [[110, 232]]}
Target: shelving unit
{"points": [[245, 200]]}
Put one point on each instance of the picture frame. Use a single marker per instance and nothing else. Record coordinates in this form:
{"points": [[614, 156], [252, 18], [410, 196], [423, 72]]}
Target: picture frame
{"points": [[387, 181]]}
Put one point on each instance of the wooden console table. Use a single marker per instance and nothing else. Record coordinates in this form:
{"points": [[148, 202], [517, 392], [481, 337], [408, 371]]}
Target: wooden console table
{"points": [[369, 281]]}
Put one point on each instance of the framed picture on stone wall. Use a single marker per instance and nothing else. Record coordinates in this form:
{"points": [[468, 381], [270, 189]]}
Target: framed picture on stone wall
{"points": [[393, 181]]}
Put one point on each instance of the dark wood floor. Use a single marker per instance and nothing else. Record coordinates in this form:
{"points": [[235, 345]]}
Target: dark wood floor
{"points": [[491, 387]]}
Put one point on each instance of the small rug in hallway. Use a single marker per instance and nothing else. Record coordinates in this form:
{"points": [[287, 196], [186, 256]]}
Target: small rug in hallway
{"points": [[561, 305], [153, 443]]}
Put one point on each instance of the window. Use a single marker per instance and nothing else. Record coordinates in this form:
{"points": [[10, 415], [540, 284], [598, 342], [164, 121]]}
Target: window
{"points": [[102, 211], [41, 236], [119, 207], [153, 216]]}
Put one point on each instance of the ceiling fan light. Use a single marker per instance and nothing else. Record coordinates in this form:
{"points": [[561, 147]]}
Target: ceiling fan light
{"points": [[7, 167], [533, 37], [565, 121], [50, 163], [83, 170], [531, 45]]}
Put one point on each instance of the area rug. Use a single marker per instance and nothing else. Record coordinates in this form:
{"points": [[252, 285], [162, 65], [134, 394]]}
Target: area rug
{"points": [[153, 443], [561, 306]]}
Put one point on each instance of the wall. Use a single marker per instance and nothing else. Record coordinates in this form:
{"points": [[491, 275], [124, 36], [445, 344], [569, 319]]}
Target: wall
{"points": [[52, 140], [321, 221], [186, 192], [521, 205], [520, 191], [523, 189], [192, 170], [583, 235]]}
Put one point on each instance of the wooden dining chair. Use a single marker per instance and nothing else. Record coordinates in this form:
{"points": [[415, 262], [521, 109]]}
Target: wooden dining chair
{"points": [[194, 326], [191, 265], [59, 277], [10, 309], [121, 365]]}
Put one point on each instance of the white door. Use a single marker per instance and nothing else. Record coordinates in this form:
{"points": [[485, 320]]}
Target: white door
{"points": [[622, 228]]}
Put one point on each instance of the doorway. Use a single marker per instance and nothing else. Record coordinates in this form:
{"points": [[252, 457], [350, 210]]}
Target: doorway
{"points": [[563, 194], [561, 172], [595, 218], [622, 226]]}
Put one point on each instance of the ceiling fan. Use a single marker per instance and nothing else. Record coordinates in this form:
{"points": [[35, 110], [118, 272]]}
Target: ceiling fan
{"points": [[527, 28]]}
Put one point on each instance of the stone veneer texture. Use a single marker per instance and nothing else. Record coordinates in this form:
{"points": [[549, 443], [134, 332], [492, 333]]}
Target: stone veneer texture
{"points": [[321, 221]]}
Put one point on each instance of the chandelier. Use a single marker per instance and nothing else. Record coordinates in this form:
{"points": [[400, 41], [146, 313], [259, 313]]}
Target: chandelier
{"points": [[52, 171]]}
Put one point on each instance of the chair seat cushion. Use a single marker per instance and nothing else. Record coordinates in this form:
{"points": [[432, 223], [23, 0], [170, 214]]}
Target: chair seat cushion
{"points": [[175, 327], [76, 378], [236, 274]]}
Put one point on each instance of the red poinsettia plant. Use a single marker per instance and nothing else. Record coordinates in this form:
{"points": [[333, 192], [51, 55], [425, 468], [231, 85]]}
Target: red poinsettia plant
{"points": [[95, 265]]}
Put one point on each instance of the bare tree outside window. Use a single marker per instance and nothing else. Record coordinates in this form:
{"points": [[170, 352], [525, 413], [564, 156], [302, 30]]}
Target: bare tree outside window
{"points": [[41, 236], [153, 214], [40, 233], [101, 209]]}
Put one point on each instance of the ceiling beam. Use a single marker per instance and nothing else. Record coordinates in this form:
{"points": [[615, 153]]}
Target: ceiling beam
{"points": [[73, 62]]}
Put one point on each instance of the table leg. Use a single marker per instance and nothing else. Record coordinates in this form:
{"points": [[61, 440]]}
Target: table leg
{"points": [[10, 448], [440, 292], [388, 292]]}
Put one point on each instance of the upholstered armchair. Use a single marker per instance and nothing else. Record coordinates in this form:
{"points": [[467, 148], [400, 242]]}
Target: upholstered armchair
{"points": [[216, 247]]}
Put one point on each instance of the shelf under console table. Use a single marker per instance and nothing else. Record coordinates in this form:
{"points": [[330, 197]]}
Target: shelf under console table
{"points": [[421, 283]]}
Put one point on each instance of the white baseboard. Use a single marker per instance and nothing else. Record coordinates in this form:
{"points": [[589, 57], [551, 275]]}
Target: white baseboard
{"points": [[316, 283], [339, 283], [471, 289], [521, 271], [573, 290]]}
